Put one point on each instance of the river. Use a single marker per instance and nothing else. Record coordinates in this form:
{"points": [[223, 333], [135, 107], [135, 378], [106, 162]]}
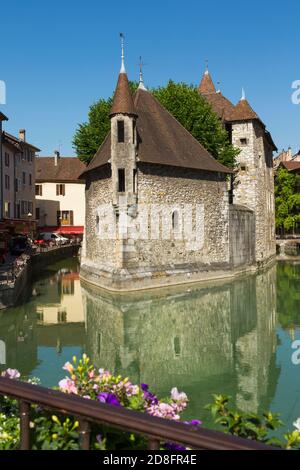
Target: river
{"points": [[232, 338]]}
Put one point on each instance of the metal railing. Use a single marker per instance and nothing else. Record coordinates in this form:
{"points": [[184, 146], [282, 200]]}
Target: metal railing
{"points": [[156, 430]]}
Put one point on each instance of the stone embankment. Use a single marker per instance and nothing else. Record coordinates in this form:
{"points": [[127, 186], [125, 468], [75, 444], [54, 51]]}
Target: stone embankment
{"points": [[16, 275]]}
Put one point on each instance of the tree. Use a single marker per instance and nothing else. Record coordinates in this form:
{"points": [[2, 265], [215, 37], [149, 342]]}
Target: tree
{"points": [[182, 101], [287, 200]]}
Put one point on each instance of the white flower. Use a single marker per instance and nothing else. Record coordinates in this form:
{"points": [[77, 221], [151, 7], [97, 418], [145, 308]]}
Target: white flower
{"points": [[297, 424], [178, 396]]}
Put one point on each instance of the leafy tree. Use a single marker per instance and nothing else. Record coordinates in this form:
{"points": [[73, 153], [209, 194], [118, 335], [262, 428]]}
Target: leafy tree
{"points": [[196, 115], [287, 199], [182, 101]]}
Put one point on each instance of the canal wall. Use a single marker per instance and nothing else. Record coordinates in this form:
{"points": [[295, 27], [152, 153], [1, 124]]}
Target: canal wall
{"points": [[12, 291]]}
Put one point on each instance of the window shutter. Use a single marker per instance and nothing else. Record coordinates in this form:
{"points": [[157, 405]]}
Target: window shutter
{"points": [[63, 190], [71, 218], [57, 190]]}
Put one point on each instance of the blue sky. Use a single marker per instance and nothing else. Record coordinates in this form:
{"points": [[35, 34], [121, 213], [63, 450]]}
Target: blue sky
{"points": [[58, 57]]}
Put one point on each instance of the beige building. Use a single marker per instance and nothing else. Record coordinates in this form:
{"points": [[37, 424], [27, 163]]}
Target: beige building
{"points": [[18, 181], [60, 195], [286, 156]]}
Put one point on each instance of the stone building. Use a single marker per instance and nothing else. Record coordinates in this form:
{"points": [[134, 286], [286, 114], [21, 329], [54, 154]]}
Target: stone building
{"points": [[157, 204], [254, 179]]}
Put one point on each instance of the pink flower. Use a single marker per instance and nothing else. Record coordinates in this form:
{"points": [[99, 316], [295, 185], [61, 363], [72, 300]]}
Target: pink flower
{"points": [[68, 386], [91, 374], [163, 410], [68, 367], [11, 374], [178, 396]]}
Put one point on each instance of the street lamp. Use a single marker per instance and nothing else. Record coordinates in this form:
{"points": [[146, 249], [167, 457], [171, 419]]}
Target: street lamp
{"points": [[29, 215]]}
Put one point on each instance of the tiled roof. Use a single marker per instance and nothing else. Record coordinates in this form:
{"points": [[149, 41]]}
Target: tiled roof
{"points": [[243, 112], [67, 169], [162, 140], [291, 166], [206, 85], [3, 117], [17, 143], [122, 101]]}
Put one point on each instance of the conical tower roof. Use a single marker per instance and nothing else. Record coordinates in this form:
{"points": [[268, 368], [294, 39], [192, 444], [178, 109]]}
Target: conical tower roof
{"points": [[206, 85], [122, 101]]}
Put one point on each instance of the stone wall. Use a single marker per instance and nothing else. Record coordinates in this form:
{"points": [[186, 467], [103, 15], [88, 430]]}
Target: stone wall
{"points": [[254, 184], [140, 255]]}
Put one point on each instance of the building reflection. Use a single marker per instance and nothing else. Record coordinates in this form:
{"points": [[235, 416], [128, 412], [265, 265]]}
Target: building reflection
{"points": [[52, 317], [203, 340]]}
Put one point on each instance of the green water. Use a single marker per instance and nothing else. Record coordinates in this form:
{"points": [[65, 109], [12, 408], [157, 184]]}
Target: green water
{"points": [[232, 338]]}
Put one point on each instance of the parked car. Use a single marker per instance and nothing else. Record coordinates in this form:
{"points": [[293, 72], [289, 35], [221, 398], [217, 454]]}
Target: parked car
{"points": [[39, 240], [56, 238]]}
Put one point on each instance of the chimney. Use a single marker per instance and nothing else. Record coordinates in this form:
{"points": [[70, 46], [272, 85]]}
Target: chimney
{"points": [[289, 154], [56, 157], [22, 135]]}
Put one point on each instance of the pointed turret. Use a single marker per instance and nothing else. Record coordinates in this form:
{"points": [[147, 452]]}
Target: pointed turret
{"points": [[206, 86], [122, 101], [243, 111], [123, 118]]}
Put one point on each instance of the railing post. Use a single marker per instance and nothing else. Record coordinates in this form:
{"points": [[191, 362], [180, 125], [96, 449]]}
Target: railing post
{"points": [[84, 434], [24, 425], [153, 444]]}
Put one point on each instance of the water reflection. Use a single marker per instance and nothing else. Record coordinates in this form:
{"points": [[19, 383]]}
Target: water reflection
{"points": [[226, 338], [202, 340], [39, 335]]}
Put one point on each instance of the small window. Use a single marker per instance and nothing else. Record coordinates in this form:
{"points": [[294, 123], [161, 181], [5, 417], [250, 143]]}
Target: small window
{"points": [[30, 179], [243, 141], [38, 190], [175, 220], [6, 159], [37, 213], [60, 190], [97, 223], [121, 177], [24, 177], [134, 181], [7, 182], [121, 133], [243, 167]]}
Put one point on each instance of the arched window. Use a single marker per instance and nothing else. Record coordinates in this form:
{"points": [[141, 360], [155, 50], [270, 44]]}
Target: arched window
{"points": [[175, 220]]}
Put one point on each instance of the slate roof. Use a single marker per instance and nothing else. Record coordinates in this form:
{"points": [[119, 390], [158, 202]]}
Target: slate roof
{"points": [[68, 169], [161, 140]]}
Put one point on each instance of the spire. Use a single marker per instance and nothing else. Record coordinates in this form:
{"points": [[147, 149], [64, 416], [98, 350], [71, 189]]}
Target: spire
{"points": [[122, 69], [243, 111], [122, 100], [243, 95], [206, 85], [141, 80]]}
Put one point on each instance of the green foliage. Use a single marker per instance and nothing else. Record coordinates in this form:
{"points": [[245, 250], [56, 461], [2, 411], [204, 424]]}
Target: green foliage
{"points": [[196, 115], [182, 101], [250, 425], [287, 199]]}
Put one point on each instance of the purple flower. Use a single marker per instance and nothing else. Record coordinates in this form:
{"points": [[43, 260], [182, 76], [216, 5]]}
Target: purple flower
{"points": [[148, 396], [193, 422], [173, 446], [109, 398]]}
